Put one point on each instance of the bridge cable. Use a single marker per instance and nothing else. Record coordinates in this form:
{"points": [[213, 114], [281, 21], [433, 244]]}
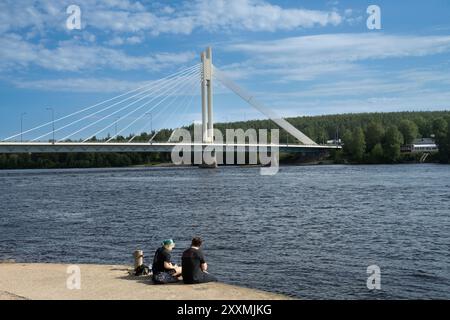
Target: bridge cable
{"points": [[186, 107], [166, 84], [97, 104], [167, 90], [156, 87], [166, 87], [157, 115], [196, 74]]}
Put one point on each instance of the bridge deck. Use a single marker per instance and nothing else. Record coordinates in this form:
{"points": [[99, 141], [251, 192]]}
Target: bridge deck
{"points": [[97, 147]]}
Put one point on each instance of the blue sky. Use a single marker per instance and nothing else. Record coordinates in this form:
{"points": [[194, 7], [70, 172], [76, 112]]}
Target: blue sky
{"points": [[299, 57]]}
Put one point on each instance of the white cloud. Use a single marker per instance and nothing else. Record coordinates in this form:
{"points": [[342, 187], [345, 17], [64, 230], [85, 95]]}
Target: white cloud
{"points": [[168, 10], [119, 41], [416, 89], [212, 16], [134, 40], [15, 53], [258, 16], [125, 16], [352, 88], [288, 73], [107, 85], [311, 57], [380, 103], [345, 72], [116, 41], [344, 47]]}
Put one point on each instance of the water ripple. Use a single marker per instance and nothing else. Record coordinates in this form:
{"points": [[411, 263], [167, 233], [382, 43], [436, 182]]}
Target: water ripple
{"points": [[308, 232]]}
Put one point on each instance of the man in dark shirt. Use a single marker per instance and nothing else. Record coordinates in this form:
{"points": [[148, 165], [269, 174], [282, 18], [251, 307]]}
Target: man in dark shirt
{"points": [[164, 271], [194, 267]]}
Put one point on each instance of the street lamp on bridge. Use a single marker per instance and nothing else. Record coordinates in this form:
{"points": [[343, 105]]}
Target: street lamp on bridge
{"points": [[115, 127], [21, 125], [53, 123], [151, 121]]}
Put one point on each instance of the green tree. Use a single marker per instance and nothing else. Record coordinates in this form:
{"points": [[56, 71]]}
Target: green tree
{"points": [[359, 144], [409, 130], [347, 139], [374, 134], [447, 157], [376, 154], [441, 130], [321, 136], [355, 144], [392, 142], [338, 156], [424, 125], [3, 161]]}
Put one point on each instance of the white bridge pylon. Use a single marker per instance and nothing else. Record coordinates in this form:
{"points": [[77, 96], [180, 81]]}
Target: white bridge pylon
{"points": [[207, 96]]}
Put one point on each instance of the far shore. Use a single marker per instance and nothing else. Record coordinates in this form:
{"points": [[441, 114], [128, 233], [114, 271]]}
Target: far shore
{"points": [[46, 281], [287, 164]]}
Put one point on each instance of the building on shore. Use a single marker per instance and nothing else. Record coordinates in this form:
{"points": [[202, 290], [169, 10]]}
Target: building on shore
{"points": [[427, 145]]}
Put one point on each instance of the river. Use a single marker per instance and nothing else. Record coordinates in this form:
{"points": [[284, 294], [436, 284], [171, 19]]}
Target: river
{"points": [[308, 232]]}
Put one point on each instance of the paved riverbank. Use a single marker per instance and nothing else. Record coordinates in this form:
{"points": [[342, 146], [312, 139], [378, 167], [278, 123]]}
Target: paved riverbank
{"points": [[104, 282]]}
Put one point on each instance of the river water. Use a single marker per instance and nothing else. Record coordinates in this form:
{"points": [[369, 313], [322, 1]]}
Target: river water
{"points": [[309, 231]]}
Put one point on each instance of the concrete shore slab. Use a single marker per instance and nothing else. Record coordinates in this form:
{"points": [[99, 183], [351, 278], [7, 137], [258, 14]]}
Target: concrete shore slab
{"points": [[38, 281]]}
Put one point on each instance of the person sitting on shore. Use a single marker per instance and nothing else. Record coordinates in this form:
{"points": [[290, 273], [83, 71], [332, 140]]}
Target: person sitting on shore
{"points": [[194, 267], [164, 271]]}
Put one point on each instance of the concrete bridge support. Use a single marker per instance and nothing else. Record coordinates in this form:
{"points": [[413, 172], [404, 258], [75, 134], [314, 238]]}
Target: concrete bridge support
{"points": [[207, 101]]}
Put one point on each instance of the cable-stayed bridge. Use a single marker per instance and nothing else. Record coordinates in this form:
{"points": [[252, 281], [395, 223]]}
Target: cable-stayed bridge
{"points": [[166, 98]]}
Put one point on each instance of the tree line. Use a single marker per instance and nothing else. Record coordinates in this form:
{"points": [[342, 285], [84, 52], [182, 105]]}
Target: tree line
{"points": [[373, 138]]}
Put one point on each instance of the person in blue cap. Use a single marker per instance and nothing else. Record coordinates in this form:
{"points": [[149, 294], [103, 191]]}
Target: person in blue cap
{"points": [[164, 271]]}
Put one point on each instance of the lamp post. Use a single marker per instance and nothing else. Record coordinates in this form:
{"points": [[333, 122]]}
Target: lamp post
{"points": [[53, 123], [115, 127], [21, 125], [151, 121]]}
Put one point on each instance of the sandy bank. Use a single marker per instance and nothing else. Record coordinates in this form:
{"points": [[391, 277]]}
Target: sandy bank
{"points": [[104, 282]]}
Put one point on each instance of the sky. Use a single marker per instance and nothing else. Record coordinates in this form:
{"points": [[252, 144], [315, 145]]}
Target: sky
{"points": [[303, 57]]}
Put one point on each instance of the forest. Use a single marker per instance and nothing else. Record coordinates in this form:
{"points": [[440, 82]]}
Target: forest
{"points": [[371, 138], [367, 138]]}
